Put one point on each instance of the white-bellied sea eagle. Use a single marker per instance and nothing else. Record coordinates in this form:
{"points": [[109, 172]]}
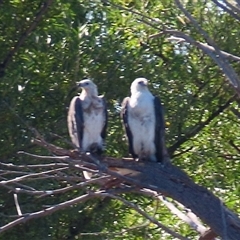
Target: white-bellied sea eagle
{"points": [[87, 120], [143, 119]]}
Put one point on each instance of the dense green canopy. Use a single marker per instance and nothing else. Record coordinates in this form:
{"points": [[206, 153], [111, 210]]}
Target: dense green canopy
{"points": [[46, 47]]}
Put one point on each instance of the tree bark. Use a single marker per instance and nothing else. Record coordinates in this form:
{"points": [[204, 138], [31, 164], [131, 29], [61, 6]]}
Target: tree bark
{"points": [[173, 182]]}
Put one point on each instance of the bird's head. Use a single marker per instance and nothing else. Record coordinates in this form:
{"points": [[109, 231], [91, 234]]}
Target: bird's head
{"points": [[139, 85], [88, 86]]}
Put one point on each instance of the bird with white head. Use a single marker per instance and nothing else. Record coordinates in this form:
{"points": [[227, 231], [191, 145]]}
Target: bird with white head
{"points": [[143, 119]]}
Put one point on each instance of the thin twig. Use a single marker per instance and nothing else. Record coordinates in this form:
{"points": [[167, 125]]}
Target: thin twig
{"points": [[143, 213], [48, 211], [17, 204], [198, 227], [47, 165], [17, 179], [43, 193], [45, 157]]}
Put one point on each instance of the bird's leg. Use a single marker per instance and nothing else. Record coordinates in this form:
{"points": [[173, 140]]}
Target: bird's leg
{"points": [[152, 158], [95, 149]]}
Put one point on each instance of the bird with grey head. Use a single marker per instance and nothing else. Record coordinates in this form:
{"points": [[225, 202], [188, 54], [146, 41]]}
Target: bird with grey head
{"points": [[87, 119]]}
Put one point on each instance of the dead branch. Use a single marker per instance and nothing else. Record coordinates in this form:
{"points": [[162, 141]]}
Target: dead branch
{"points": [[47, 211], [229, 8], [198, 227], [143, 213], [218, 57], [180, 37], [211, 48], [164, 179], [30, 176], [170, 181]]}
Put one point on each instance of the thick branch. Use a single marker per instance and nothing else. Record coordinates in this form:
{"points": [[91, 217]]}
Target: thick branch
{"points": [[182, 37], [171, 181]]}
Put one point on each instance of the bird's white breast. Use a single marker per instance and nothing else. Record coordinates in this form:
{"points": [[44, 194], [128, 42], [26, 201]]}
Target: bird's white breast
{"points": [[94, 120], [141, 121]]}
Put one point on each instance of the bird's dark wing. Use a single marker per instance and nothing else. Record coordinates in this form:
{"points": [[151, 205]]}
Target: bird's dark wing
{"points": [[104, 129], [76, 121], [161, 150], [124, 116]]}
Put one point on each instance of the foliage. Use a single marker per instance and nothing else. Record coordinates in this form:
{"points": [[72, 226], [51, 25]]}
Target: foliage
{"points": [[78, 39]]}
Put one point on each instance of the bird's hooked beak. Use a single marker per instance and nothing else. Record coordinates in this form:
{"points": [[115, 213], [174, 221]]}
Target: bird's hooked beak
{"points": [[75, 88], [79, 85], [143, 83]]}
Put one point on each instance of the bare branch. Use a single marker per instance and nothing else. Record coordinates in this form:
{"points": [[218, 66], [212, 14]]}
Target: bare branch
{"points": [[43, 193], [180, 37], [45, 157], [190, 218], [56, 150], [173, 183], [226, 9], [48, 165], [143, 213], [48, 211], [17, 204], [198, 227], [218, 58], [30, 175], [66, 159], [235, 7]]}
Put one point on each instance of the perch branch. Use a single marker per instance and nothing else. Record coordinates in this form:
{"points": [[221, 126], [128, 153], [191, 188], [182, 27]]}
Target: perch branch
{"points": [[165, 179]]}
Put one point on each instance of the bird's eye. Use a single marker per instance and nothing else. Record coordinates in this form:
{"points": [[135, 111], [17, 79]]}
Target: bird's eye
{"points": [[141, 82], [87, 83]]}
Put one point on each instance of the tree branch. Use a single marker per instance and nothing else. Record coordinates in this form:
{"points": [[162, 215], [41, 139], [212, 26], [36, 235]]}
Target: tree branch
{"points": [[24, 36], [143, 213], [17, 204], [218, 58], [180, 37], [30, 175], [196, 129], [198, 227], [47, 211], [166, 179], [173, 183], [226, 9]]}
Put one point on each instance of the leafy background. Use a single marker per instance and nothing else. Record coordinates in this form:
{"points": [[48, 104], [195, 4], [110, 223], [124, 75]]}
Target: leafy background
{"points": [[95, 39]]}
